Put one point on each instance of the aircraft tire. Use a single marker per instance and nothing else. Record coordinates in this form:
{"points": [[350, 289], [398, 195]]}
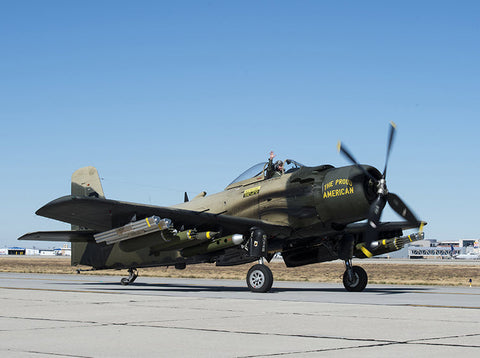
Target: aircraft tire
{"points": [[124, 281], [360, 280], [259, 278]]}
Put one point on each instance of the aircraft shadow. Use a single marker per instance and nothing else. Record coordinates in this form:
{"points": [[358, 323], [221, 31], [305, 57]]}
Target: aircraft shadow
{"points": [[168, 287]]}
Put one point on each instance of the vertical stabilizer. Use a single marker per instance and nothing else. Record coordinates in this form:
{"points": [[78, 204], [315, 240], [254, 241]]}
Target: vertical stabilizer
{"points": [[86, 182]]}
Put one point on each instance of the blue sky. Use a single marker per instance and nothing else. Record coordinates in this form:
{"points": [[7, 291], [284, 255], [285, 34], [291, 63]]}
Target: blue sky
{"points": [[167, 97]]}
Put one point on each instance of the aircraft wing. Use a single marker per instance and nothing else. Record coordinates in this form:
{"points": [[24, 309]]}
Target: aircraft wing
{"points": [[385, 226], [100, 214]]}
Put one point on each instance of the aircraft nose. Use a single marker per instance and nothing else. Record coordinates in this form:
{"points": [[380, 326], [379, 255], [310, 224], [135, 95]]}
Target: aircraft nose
{"points": [[345, 194]]}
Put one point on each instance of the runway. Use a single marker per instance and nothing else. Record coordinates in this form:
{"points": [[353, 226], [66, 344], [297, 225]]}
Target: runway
{"points": [[94, 316]]}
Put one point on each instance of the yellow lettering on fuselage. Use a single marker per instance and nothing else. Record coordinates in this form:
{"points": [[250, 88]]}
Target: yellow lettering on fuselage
{"points": [[252, 191], [343, 182], [337, 192], [333, 193], [328, 185]]}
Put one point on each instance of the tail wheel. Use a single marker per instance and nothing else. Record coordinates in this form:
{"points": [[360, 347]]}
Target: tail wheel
{"points": [[133, 274], [259, 278], [358, 282], [124, 281]]}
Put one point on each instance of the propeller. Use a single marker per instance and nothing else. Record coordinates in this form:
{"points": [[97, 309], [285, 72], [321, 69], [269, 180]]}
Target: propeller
{"points": [[383, 195]]}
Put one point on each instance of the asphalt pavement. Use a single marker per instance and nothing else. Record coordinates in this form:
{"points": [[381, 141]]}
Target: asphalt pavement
{"points": [[94, 316]]}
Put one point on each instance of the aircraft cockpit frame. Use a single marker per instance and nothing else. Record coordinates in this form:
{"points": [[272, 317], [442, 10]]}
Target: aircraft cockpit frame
{"points": [[258, 172]]}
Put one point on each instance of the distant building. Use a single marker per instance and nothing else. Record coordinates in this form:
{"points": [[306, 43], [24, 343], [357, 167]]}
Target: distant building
{"points": [[442, 249], [64, 251], [32, 252], [47, 252], [16, 251]]}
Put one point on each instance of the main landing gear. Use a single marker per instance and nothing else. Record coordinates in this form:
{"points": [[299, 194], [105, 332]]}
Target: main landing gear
{"points": [[133, 274], [355, 278], [259, 278]]}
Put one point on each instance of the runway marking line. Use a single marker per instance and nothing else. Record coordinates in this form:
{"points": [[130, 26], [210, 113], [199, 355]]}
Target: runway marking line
{"points": [[47, 279], [449, 293], [439, 306]]}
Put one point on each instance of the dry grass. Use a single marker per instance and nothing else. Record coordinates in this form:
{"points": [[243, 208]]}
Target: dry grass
{"points": [[382, 272]]}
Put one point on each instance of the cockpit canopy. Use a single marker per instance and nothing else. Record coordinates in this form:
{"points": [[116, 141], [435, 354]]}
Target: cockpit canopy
{"points": [[258, 171]]}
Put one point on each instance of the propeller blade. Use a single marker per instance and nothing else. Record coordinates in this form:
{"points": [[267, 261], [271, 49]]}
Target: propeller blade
{"points": [[376, 211], [401, 208], [374, 219], [346, 153], [391, 136]]}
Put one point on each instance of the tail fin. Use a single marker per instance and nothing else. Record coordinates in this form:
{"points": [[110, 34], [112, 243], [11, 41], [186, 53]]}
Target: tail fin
{"points": [[86, 182]]}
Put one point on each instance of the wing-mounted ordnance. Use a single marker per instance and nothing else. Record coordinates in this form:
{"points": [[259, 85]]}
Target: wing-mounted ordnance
{"points": [[220, 243], [159, 235], [168, 239], [387, 245], [132, 230]]}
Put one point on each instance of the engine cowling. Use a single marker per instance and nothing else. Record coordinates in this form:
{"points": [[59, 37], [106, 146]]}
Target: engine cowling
{"points": [[344, 194]]}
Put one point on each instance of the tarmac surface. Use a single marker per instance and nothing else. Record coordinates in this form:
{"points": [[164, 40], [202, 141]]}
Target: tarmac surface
{"points": [[94, 316]]}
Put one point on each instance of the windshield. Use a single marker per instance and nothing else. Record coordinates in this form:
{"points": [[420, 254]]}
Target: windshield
{"points": [[257, 170], [292, 166]]}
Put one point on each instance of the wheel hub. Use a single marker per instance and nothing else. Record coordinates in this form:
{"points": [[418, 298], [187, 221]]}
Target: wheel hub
{"points": [[354, 281], [257, 279]]}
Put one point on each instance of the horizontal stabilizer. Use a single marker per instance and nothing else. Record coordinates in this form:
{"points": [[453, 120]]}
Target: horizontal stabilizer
{"points": [[62, 236]]}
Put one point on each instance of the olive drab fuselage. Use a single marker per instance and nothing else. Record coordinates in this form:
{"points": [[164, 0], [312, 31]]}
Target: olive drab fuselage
{"points": [[309, 197]]}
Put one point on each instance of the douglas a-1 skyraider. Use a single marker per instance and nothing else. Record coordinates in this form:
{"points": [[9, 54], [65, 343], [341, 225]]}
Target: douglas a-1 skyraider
{"points": [[308, 214]]}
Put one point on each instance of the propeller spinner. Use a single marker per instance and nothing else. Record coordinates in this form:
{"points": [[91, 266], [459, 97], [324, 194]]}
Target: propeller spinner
{"points": [[383, 195]]}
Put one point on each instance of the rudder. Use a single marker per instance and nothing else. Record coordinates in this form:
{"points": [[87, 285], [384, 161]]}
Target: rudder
{"points": [[86, 182]]}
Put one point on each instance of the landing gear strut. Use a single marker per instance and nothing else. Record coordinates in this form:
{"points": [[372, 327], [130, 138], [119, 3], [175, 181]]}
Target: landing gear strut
{"points": [[355, 278], [133, 274]]}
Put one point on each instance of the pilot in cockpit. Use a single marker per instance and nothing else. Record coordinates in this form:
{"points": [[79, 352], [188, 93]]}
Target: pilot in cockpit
{"points": [[274, 169]]}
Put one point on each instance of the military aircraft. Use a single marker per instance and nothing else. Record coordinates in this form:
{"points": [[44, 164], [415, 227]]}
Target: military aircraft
{"points": [[308, 214]]}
